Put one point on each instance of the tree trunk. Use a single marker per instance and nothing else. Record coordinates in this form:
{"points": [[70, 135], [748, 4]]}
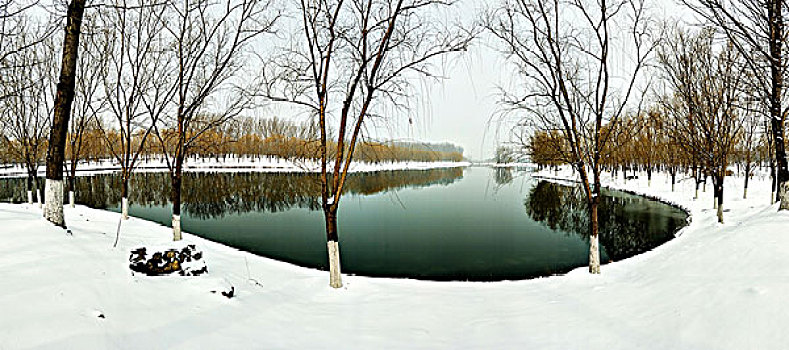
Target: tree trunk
{"points": [[697, 190], [175, 194], [335, 276], [29, 185], [776, 24], [773, 183], [125, 197], [747, 177], [54, 194], [37, 190], [720, 209], [175, 198], [714, 192], [784, 193], [594, 247], [65, 96], [719, 196], [71, 181], [673, 179], [704, 185]]}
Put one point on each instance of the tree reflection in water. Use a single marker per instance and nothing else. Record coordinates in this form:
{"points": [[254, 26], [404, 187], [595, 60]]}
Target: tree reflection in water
{"points": [[439, 232], [629, 224], [502, 176], [214, 195]]}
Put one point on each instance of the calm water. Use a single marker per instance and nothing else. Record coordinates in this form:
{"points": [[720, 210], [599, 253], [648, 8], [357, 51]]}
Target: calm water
{"points": [[447, 224]]}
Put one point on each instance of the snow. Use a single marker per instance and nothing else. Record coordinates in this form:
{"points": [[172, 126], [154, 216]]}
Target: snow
{"points": [[506, 165], [713, 287], [233, 164]]}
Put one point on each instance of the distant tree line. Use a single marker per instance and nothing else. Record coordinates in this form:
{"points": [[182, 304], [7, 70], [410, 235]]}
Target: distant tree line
{"points": [[244, 137]]}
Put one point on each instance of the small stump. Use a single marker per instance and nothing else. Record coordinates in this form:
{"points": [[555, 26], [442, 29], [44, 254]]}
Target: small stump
{"points": [[186, 261]]}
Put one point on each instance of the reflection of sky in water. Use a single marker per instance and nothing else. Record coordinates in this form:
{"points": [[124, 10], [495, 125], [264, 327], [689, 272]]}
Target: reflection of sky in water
{"points": [[474, 223]]}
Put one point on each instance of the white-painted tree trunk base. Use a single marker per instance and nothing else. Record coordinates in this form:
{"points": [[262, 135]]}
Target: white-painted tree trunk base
{"points": [[71, 198], [41, 196], [772, 197], [335, 279], [649, 183], [697, 194], [720, 213], [714, 203], [176, 227], [53, 211], [745, 193], [594, 255], [125, 208], [784, 194], [29, 197]]}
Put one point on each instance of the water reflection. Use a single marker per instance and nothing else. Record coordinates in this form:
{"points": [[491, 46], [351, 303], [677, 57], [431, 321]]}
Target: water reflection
{"points": [[429, 230], [502, 176], [215, 195], [628, 224]]}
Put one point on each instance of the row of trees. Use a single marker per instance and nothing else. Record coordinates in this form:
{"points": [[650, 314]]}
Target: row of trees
{"points": [[127, 70], [253, 138], [706, 125], [715, 98], [139, 77]]}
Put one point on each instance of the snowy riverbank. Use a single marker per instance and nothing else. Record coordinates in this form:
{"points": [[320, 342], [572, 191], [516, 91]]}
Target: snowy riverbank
{"points": [[233, 164], [713, 287]]}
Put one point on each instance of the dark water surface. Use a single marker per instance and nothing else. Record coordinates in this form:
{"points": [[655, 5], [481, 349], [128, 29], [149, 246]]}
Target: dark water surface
{"points": [[443, 224]]}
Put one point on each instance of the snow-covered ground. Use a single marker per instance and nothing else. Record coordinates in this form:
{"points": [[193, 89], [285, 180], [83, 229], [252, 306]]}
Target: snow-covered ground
{"points": [[505, 165], [714, 287], [233, 164]]}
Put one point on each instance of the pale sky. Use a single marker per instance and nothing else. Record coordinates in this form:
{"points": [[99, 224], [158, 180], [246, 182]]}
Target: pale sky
{"points": [[461, 108]]}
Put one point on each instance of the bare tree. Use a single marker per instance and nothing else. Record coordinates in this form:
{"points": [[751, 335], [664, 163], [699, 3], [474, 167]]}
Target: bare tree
{"points": [[749, 140], [62, 112], [208, 41], [646, 141], [769, 142], [14, 23], [349, 62], [705, 105], [130, 34], [672, 155], [88, 99], [28, 102], [562, 51], [756, 28]]}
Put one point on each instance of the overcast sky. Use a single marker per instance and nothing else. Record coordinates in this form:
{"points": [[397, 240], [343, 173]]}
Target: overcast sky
{"points": [[461, 109]]}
